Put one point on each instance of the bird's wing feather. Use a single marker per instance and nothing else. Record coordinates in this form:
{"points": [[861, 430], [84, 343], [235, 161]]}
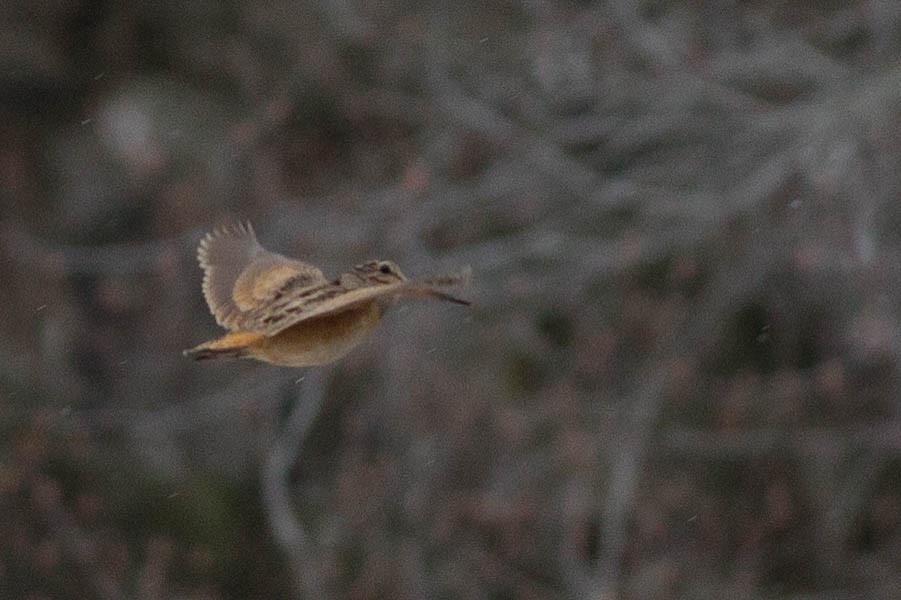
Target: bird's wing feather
{"points": [[328, 299], [332, 298], [240, 276]]}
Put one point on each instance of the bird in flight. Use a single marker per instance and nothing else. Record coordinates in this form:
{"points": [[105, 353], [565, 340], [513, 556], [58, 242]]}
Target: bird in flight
{"points": [[285, 312]]}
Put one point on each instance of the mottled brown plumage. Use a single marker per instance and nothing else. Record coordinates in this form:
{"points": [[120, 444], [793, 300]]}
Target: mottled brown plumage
{"points": [[284, 311]]}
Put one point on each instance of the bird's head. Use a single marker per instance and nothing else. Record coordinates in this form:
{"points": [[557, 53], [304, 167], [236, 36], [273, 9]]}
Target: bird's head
{"points": [[380, 272]]}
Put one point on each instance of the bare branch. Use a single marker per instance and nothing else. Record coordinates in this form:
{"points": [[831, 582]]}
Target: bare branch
{"points": [[285, 526]]}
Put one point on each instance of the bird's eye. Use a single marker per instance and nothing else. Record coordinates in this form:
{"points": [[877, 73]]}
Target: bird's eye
{"points": [[386, 269]]}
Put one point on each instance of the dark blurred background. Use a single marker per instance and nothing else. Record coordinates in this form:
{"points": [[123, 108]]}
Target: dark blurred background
{"points": [[679, 377]]}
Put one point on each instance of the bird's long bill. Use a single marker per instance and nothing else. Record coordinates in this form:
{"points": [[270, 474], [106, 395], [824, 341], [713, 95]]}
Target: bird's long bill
{"points": [[428, 287], [426, 291], [451, 279]]}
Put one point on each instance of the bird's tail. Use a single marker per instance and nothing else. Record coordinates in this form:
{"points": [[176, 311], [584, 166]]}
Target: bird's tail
{"points": [[203, 352], [232, 345]]}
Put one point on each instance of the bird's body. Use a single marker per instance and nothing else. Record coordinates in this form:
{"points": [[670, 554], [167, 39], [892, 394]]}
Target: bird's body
{"points": [[285, 312], [315, 342]]}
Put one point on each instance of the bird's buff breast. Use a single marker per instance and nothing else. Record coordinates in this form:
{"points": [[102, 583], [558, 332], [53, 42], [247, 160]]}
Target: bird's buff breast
{"points": [[321, 340]]}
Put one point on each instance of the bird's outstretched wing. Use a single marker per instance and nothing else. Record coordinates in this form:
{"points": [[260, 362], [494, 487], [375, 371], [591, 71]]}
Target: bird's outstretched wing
{"points": [[332, 298], [241, 278]]}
